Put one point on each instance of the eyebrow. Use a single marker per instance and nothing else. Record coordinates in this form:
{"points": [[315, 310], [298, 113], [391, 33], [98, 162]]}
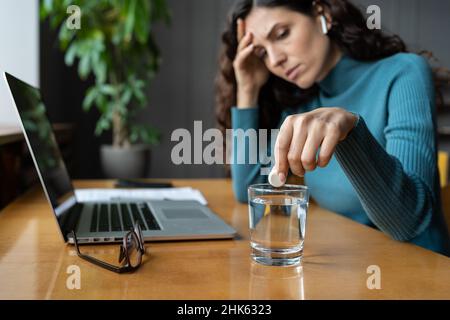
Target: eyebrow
{"points": [[272, 29]]}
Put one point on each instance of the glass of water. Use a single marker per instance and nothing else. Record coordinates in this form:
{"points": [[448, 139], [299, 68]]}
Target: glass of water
{"points": [[277, 218]]}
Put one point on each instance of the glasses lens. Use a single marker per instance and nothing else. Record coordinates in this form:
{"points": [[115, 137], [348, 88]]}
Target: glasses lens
{"points": [[134, 253]]}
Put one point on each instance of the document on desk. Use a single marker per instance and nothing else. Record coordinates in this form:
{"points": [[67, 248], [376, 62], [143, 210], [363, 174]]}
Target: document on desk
{"points": [[97, 195]]}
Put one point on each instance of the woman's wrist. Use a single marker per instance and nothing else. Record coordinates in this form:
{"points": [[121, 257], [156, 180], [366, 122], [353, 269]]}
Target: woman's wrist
{"points": [[353, 122], [354, 119], [247, 98]]}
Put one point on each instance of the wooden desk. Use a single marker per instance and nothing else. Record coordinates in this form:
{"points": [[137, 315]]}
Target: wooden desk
{"points": [[338, 251]]}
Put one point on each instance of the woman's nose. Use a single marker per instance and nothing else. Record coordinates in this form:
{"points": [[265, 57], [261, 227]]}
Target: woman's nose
{"points": [[276, 58]]}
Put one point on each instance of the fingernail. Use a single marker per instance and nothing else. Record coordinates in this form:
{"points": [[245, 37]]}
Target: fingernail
{"points": [[282, 177]]}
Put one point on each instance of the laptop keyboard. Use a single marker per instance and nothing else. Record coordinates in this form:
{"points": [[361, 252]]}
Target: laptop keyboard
{"points": [[94, 221], [149, 218], [115, 218], [120, 217], [103, 221]]}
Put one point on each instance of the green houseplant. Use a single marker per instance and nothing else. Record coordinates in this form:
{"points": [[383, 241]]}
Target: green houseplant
{"points": [[114, 45]]}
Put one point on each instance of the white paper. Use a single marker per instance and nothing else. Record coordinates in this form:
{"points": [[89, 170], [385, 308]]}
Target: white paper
{"points": [[98, 195]]}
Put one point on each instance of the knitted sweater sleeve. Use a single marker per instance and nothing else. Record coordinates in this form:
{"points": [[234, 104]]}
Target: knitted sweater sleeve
{"points": [[397, 183]]}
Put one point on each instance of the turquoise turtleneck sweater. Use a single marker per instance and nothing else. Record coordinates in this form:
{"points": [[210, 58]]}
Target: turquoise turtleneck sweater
{"points": [[384, 174]]}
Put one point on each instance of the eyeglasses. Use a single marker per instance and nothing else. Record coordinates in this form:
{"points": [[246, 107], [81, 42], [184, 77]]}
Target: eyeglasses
{"points": [[130, 256]]}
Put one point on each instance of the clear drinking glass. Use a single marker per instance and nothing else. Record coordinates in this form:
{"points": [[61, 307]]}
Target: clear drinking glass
{"points": [[277, 218]]}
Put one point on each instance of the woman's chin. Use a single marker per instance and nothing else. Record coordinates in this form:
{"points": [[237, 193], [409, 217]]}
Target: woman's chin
{"points": [[303, 83]]}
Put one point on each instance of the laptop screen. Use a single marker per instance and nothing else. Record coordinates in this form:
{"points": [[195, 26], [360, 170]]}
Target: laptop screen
{"points": [[43, 147]]}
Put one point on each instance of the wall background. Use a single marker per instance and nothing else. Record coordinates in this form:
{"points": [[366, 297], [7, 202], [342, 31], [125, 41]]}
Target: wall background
{"points": [[19, 49], [183, 91]]}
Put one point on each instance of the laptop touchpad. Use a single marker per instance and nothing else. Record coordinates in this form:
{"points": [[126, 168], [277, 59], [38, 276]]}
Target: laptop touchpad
{"points": [[184, 214]]}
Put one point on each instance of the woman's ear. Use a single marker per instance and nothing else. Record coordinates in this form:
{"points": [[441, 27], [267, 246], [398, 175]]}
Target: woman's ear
{"points": [[321, 10]]}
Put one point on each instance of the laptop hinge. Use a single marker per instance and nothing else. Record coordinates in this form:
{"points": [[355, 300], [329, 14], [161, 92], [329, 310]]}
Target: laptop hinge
{"points": [[69, 219]]}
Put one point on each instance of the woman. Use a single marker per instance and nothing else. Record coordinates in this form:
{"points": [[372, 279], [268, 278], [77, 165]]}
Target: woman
{"points": [[357, 113]]}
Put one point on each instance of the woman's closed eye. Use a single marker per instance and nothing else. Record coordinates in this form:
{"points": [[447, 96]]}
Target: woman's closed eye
{"points": [[280, 35]]}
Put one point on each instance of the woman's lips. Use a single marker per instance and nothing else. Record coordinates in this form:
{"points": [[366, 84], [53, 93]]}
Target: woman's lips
{"points": [[293, 73]]}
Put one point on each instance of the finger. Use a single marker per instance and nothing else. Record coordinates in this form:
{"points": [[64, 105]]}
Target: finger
{"points": [[313, 141], [282, 145], [240, 29], [244, 54], [327, 148], [245, 42], [295, 151]]}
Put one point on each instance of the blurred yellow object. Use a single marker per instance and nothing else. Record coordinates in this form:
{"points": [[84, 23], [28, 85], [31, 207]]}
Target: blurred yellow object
{"points": [[443, 167]]}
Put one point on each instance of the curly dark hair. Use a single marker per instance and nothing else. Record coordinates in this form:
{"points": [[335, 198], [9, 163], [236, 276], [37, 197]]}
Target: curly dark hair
{"points": [[348, 31]]}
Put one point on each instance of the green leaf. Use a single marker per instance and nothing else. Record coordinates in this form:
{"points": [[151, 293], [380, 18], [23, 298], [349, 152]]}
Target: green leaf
{"points": [[47, 5], [101, 103], [29, 125], [43, 11], [103, 124], [100, 71], [70, 54], [145, 134], [91, 95], [65, 36], [134, 137], [66, 3], [130, 17], [117, 34], [126, 96], [140, 96], [108, 89], [84, 66], [142, 27]]}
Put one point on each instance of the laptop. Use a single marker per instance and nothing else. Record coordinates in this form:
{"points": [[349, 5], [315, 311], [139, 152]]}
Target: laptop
{"points": [[102, 221]]}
